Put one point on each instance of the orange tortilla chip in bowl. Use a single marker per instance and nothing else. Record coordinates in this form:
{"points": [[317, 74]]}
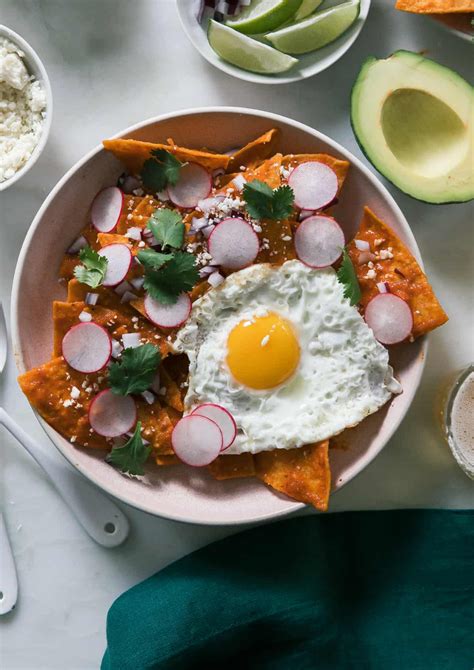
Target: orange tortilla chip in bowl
{"points": [[436, 6], [244, 488]]}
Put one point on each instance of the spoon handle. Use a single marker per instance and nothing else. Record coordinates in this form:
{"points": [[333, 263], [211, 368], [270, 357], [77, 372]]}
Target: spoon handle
{"points": [[8, 579], [97, 514]]}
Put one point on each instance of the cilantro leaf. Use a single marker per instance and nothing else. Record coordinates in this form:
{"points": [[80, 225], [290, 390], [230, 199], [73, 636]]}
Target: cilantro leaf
{"points": [[134, 371], [93, 270], [348, 278], [153, 260], [167, 227], [160, 170], [132, 456], [263, 202], [178, 275]]}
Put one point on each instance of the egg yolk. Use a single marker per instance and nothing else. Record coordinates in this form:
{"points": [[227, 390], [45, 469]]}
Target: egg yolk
{"points": [[263, 352]]}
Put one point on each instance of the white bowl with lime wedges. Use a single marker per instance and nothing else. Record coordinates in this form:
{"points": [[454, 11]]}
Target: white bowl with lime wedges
{"points": [[272, 41]]}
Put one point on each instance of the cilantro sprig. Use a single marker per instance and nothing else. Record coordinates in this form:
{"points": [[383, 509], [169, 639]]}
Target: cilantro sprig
{"points": [[161, 169], [168, 272], [167, 227], [135, 370], [172, 278], [131, 457], [263, 202], [348, 278], [93, 269]]}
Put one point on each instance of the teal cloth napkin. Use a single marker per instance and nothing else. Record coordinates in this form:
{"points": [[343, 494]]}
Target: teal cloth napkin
{"points": [[387, 590]]}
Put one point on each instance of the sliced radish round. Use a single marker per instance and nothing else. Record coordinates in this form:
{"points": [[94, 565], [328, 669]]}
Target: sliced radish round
{"points": [[197, 440], [168, 316], [194, 184], [119, 259], [233, 244], [87, 347], [222, 417], [106, 209], [314, 185], [319, 241], [389, 317], [112, 415]]}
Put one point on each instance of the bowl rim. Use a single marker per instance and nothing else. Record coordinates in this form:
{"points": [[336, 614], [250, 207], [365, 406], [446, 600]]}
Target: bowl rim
{"points": [[362, 462], [185, 7], [31, 56]]}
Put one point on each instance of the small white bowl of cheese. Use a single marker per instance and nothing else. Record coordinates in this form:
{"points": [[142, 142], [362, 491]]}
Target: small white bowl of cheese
{"points": [[26, 107]]}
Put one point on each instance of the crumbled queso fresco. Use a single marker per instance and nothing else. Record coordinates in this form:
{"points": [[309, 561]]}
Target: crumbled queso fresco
{"points": [[22, 110]]}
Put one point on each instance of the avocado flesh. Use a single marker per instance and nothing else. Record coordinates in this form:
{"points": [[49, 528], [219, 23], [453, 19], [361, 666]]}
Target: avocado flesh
{"points": [[414, 120]]}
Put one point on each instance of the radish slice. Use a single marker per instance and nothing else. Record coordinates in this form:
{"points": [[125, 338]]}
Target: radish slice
{"points": [[119, 259], [319, 241], [222, 417], [86, 347], [314, 185], [112, 415], [168, 316], [233, 244], [106, 209], [194, 184], [197, 440], [389, 317]]}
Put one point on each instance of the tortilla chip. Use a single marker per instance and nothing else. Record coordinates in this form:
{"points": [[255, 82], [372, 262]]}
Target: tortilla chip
{"points": [[340, 167], [111, 238], [255, 151], [138, 217], [172, 396], [435, 6], [133, 153], [232, 466], [48, 388], [302, 474], [402, 273]]}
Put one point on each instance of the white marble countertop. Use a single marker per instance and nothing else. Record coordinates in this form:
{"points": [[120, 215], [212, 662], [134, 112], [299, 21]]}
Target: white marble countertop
{"points": [[111, 64]]}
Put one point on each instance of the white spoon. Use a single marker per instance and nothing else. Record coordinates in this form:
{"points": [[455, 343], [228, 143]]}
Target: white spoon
{"points": [[98, 515], [8, 578]]}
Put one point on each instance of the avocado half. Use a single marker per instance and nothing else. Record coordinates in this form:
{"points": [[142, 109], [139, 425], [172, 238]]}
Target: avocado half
{"points": [[414, 120]]}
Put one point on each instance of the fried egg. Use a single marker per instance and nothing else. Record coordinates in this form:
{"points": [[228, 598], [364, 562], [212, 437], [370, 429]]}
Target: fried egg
{"points": [[283, 350]]}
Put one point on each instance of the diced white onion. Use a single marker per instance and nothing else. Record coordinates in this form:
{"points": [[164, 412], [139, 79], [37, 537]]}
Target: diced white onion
{"points": [[362, 245], [137, 282], [91, 298], [382, 287], [149, 397], [85, 317], [123, 287], [116, 348], [215, 279], [131, 340], [77, 245], [134, 233], [239, 181], [128, 296]]}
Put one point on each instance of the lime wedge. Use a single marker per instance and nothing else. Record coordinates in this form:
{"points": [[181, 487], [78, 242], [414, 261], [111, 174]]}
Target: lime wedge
{"points": [[264, 15], [317, 30], [307, 7], [246, 52]]}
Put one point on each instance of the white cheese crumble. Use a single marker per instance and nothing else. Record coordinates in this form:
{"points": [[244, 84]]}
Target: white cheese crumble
{"points": [[22, 110]]}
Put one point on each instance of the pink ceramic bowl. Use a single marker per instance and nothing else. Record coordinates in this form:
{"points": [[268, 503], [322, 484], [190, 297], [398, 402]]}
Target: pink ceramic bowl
{"points": [[182, 493]]}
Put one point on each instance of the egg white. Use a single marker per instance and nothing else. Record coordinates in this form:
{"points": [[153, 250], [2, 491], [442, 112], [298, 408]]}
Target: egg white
{"points": [[343, 374]]}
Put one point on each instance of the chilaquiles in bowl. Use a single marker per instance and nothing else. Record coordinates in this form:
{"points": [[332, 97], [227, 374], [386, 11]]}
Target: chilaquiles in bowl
{"points": [[217, 317]]}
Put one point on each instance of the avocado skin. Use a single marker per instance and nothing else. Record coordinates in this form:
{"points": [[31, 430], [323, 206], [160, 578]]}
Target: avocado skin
{"points": [[368, 61]]}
